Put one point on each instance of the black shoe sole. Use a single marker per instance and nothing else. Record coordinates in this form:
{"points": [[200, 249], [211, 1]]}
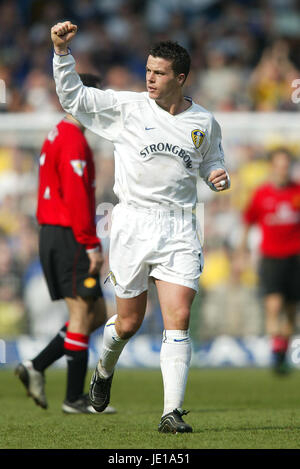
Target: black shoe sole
{"points": [[167, 429]]}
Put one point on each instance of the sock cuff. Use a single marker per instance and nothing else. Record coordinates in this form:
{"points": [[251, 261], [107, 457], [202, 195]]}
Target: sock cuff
{"points": [[75, 341], [280, 344], [110, 327], [111, 321], [176, 336]]}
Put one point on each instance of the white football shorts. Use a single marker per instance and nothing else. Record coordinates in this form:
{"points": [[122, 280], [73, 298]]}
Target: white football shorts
{"points": [[158, 243]]}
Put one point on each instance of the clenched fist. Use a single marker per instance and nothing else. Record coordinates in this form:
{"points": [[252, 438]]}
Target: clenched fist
{"points": [[219, 179], [61, 35]]}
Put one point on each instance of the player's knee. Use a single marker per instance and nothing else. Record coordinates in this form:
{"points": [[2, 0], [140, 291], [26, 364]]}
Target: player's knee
{"points": [[178, 319], [126, 328]]}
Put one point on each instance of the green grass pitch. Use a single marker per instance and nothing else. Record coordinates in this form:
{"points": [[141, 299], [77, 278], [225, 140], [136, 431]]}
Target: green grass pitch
{"points": [[229, 409]]}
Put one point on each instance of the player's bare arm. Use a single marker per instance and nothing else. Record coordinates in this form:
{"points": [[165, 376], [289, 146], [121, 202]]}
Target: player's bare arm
{"points": [[219, 178], [61, 35]]}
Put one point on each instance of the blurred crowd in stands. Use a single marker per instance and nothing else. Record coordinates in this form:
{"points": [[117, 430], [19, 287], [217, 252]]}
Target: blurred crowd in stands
{"points": [[244, 58], [244, 53]]}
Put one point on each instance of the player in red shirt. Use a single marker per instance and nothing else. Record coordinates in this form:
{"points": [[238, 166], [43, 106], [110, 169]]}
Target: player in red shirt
{"points": [[275, 208], [71, 257]]}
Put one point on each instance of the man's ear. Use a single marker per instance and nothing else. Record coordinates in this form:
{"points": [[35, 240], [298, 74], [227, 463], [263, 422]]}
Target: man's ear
{"points": [[181, 78]]}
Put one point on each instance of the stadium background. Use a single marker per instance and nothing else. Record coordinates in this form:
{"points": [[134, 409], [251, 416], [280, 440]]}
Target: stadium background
{"points": [[244, 60]]}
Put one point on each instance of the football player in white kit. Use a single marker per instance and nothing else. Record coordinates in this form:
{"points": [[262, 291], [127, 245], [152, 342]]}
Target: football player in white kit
{"points": [[162, 141]]}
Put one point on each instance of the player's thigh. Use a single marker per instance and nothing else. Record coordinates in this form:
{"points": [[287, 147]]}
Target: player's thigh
{"points": [[175, 302], [86, 314], [131, 312]]}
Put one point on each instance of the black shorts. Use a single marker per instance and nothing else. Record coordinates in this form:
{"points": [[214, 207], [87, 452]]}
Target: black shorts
{"points": [[65, 264], [281, 275]]}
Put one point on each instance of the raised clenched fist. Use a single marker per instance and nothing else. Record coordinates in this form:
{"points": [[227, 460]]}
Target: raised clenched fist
{"points": [[61, 35]]}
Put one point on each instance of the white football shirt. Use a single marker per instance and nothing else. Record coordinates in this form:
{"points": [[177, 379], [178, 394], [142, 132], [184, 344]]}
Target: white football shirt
{"points": [[158, 156]]}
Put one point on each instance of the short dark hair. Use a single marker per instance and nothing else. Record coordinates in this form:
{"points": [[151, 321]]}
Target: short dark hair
{"points": [[277, 150], [178, 55], [88, 79]]}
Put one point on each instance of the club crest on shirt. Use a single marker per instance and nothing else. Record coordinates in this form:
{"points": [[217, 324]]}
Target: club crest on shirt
{"points": [[197, 137], [78, 166]]}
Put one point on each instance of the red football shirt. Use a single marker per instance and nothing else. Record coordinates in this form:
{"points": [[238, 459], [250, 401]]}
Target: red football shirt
{"points": [[277, 211], [66, 195]]}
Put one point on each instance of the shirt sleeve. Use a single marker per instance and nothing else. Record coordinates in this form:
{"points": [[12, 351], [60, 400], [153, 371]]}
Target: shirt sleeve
{"points": [[213, 157], [78, 194], [97, 110]]}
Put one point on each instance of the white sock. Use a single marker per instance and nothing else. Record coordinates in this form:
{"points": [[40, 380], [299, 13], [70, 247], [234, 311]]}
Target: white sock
{"points": [[112, 347], [175, 358]]}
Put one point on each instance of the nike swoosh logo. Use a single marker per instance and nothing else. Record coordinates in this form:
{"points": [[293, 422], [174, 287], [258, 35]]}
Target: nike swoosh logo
{"points": [[149, 128], [181, 340]]}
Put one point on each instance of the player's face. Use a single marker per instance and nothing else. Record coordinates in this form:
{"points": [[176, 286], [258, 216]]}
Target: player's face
{"points": [[161, 80], [281, 167]]}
